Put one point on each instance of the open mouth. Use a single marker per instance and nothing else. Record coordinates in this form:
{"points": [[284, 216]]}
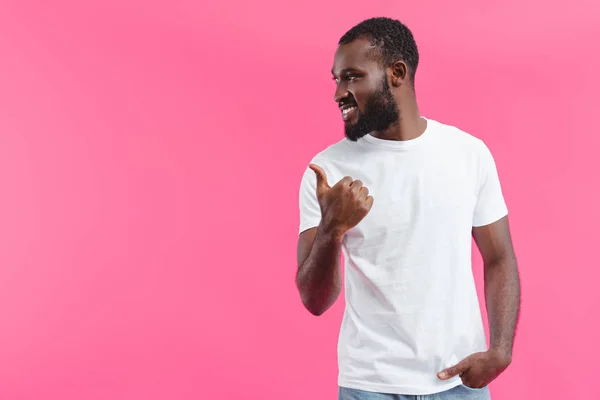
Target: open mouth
{"points": [[348, 112]]}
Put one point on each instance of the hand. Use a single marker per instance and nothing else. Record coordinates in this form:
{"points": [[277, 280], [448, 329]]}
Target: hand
{"points": [[479, 369], [344, 205]]}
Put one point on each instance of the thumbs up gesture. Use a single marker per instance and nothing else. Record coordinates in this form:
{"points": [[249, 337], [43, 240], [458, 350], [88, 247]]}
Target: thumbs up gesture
{"points": [[344, 205]]}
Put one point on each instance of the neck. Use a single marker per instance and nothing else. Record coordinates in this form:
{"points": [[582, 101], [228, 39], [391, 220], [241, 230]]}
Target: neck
{"points": [[409, 126]]}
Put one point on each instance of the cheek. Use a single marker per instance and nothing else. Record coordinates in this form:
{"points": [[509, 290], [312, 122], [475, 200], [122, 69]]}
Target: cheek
{"points": [[360, 96], [362, 92], [362, 101]]}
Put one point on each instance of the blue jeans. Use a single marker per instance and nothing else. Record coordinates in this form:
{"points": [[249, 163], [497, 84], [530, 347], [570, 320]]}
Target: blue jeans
{"points": [[460, 392]]}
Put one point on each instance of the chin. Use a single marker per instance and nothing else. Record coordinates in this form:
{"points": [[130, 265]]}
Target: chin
{"points": [[354, 136]]}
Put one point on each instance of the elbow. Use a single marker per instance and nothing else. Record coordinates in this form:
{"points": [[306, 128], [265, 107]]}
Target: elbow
{"points": [[317, 312], [314, 308], [318, 305], [318, 300]]}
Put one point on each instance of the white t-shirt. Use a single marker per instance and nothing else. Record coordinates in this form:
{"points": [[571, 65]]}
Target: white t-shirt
{"points": [[411, 302]]}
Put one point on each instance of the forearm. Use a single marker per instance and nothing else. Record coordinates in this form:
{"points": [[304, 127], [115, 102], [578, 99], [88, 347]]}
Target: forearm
{"points": [[319, 278], [502, 295]]}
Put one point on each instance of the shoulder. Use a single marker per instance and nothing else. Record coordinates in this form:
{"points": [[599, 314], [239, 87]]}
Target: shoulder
{"points": [[331, 160], [457, 139], [341, 153], [335, 151], [453, 134]]}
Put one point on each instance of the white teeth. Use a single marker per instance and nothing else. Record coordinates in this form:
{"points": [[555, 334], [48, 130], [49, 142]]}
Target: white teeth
{"points": [[347, 110]]}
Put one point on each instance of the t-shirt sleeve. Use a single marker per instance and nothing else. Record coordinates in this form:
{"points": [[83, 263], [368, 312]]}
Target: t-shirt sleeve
{"points": [[310, 211], [490, 205]]}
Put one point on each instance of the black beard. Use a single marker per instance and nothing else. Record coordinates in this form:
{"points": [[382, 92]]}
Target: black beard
{"points": [[380, 112]]}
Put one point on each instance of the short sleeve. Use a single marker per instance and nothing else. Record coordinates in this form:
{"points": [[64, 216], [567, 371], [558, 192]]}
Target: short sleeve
{"points": [[490, 205], [310, 211]]}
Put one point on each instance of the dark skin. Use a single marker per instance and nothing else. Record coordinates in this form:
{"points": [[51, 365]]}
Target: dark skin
{"points": [[358, 74], [502, 297], [343, 206]]}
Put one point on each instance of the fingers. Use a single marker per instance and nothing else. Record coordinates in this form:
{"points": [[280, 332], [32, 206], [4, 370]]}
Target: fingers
{"points": [[363, 193], [346, 181], [321, 176], [454, 370], [322, 184], [356, 186], [369, 202]]}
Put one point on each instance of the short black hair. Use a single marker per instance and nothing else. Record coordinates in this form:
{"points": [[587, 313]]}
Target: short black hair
{"points": [[391, 37]]}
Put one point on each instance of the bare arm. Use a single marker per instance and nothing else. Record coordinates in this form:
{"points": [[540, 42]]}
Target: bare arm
{"points": [[342, 206], [501, 277], [502, 296], [318, 278], [502, 284]]}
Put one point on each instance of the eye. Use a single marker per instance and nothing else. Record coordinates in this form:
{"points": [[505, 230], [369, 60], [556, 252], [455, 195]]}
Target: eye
{"points": [[347, 78]]}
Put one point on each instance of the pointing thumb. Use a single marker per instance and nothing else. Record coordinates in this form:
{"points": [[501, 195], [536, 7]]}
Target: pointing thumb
{"points": [[322, 184]]}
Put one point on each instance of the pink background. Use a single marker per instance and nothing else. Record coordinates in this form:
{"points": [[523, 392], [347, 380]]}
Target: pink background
{"points": [[150, 157]]}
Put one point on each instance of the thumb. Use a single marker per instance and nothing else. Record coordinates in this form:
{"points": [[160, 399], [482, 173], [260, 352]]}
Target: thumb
{"points": [[454, 370], [322, 184]]}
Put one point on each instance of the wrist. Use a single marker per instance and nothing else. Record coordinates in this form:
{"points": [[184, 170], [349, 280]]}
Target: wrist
{"points": [[330, 233], [502, 353]]}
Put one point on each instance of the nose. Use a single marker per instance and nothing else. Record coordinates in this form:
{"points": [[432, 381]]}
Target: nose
{"points": [[341, 92]]}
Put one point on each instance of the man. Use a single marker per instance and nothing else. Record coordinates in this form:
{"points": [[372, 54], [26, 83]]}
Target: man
{"points": [[401, 196]]}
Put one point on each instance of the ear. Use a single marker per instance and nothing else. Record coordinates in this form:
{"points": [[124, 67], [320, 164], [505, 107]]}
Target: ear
{"points": [[399, 73]]}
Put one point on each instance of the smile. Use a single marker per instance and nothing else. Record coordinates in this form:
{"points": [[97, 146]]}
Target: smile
{"points": [[348, 112]]}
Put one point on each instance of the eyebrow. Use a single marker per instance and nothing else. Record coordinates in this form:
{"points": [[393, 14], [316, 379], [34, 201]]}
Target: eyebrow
{"points": [[344, 71]]}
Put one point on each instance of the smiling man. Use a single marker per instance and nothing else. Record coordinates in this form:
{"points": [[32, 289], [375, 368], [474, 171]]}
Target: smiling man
{"points": [[402, 196]]}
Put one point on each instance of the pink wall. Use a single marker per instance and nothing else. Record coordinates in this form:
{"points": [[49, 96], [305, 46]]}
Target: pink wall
{"points": [[150, 156]]}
